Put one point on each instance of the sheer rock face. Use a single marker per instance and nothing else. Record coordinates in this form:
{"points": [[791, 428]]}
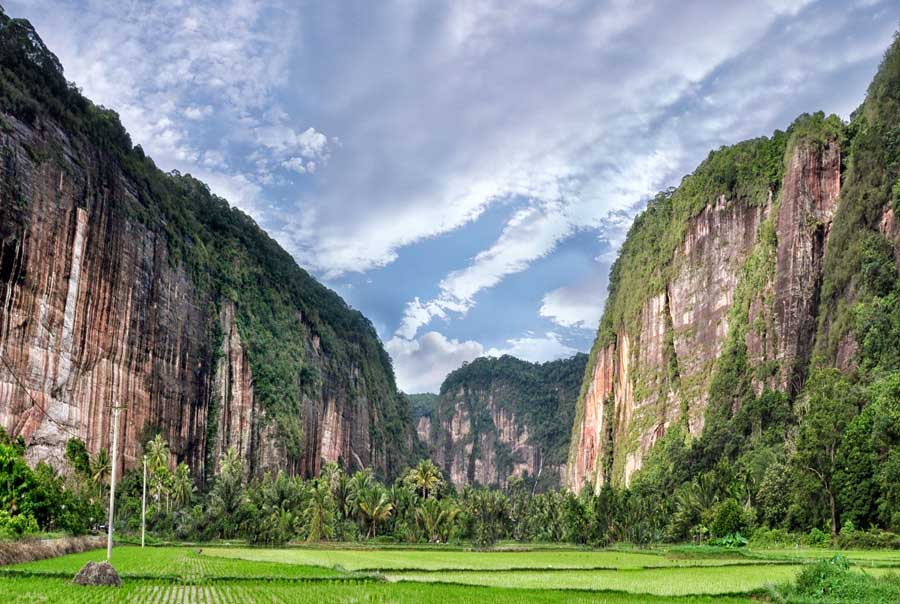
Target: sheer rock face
{"points": [[890, 227], [812, 184], [484, 428], [468, 464], [423, 430], [95, 313], [635, 393]]}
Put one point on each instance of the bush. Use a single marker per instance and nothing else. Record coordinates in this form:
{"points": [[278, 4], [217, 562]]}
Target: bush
{"points": [[833, 581], [817, 538], [766, 537], [728, 519], [871, 539], [18, 526]]}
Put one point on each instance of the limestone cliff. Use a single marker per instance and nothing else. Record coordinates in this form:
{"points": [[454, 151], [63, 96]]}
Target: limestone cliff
{"points": [[776, 256], [122, 285], [735, 274], [502, 417]]}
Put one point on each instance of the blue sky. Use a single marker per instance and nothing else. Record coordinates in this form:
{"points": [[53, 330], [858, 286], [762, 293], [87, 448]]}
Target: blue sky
{"points": [[462, 172]]}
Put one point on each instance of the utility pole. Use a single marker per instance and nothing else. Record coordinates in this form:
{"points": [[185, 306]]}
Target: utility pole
{"points": [[112, 483], [144, 504]]}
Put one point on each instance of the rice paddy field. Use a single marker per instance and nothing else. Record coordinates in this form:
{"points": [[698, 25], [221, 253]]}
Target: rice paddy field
{"points": [[229, 575]]}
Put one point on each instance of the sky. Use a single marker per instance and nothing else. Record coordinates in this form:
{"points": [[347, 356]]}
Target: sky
{"points": [[462, 172]]}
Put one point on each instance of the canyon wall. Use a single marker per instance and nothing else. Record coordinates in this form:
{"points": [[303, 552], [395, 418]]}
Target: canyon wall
{"points": [[124, 286], [776, 258], [502, 417], [741, 279]]}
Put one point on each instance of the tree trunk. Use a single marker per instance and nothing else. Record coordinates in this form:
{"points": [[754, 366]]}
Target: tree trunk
{"points": [[834, 518]]}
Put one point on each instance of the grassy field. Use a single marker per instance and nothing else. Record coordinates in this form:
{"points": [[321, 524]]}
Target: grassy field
{"points": [[182, 575], [436, 559]]}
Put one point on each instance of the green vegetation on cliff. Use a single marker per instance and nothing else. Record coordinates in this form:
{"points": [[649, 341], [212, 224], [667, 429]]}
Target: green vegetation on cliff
{"points": [[539, 396], [281, 309], [825, 453]]}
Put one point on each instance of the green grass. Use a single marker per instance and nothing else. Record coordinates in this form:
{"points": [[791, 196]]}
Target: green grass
{"points": [[860, 557], [179, 563], [24, 590], [662, 581], [184, 575], [435, 559]]}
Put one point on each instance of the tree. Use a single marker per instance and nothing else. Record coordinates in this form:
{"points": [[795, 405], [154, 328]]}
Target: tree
{"points": [[430, 515], [488, 511], [100, 469], [157, 453], [832, 402], [320, 512], [361, 482], [183, 485], [158, 464], [426, 478], [77, 456], [375, 507], [227, 494]]}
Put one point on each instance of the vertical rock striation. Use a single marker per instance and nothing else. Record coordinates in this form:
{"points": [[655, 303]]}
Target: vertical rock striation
{"points": [[498, 418], [121, 285], [742, 269]]}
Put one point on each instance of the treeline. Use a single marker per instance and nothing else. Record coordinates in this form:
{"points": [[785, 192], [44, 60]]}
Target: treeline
{"points": [[723, 506]]}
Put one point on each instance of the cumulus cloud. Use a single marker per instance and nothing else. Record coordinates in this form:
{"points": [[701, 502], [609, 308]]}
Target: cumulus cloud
{"points": [[167, 68], [579, 305], [422, 364], [536, 349], [425, 115]]}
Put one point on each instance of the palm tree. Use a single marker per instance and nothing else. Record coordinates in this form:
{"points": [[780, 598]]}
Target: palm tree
{"points": [[228, 493], [100, 469], [183, 485], [320, 512], [426, 478], [157, 453], [437, 518], [375, 507], [361, 482]]}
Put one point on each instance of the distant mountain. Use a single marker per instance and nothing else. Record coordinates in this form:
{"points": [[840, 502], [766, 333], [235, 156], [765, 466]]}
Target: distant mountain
{"points": [[499, 417]]}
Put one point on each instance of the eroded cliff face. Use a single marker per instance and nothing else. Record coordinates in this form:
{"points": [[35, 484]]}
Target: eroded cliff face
{"points": [[649, 378], [498, 418], [487, 455], [97, 311], [94, 314]]}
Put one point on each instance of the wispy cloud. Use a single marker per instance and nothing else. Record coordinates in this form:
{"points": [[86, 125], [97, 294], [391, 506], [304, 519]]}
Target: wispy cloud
{"points": [[355, 131]]}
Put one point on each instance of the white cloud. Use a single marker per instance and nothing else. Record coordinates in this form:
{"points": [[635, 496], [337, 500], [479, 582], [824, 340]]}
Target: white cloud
{"points": [[579, 305], [297, 164], [423, 363], [198, 113], [576, 110], [534, 348], [166, 67]]}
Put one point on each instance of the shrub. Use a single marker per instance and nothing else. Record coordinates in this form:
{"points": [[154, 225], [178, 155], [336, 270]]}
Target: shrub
{"points": [[871, 539], [18, 526], [728, 519], [833, 581], [817, 538], [766, 537]]}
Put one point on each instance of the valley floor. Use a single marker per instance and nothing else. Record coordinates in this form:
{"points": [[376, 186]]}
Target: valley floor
{"points": [[324, 575]]}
